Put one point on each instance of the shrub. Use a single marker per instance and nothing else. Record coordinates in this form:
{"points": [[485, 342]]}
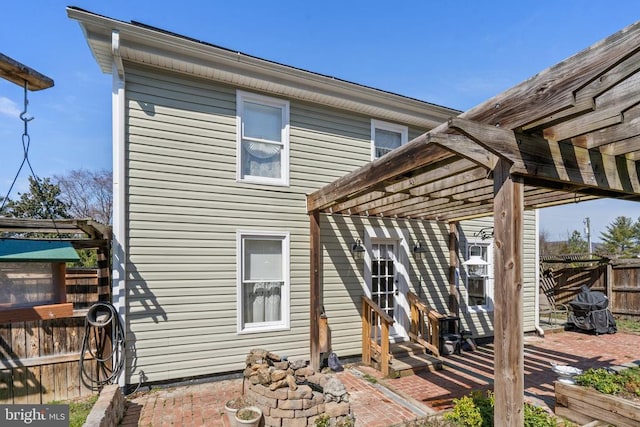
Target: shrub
{"points": [[238, 402], [322, 421], [247, 414], [476, 410], [627, 381], [467, 412], [535, 416], [346, 422]]}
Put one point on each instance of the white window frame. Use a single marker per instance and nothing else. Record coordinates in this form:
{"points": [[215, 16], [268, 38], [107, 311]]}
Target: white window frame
{"points": [[391, 127], [488, 288], [284, 323], [241, 98]]}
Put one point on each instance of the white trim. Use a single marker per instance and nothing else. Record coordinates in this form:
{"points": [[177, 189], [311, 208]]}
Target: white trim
{"points": [[119, 248], [180, 54], [536, 296], [283, 324], [401, 238], [391, 127], [241, 98]]}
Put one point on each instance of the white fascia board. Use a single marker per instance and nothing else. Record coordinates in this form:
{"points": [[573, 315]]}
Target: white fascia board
{"points": [[179, 54]]}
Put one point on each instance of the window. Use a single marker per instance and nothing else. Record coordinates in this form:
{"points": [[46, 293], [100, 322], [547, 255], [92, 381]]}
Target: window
{"points": [[263, 281], [263, 139], [480, 278], [386, 137]]}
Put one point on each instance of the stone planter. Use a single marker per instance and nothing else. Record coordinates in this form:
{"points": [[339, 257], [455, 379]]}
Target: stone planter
{"points": [[249, 416], [584, 405]]}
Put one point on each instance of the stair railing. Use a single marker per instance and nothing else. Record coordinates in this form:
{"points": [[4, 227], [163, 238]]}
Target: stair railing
{"points": [[425, 324], [375, 339]]}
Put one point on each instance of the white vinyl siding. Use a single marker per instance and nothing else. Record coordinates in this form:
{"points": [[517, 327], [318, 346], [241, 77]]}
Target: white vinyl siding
{"points": [[263, 281], [263, 139], [184, 206], [480, 322], [386, 137]]}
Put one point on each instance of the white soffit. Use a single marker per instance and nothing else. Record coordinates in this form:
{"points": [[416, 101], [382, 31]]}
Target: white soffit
{"points": [[175, 53]]}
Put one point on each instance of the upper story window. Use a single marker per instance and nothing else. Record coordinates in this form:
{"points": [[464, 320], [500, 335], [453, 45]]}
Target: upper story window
{"points": [[385, 137], [263, 281], [480, 278], [263, 139]]}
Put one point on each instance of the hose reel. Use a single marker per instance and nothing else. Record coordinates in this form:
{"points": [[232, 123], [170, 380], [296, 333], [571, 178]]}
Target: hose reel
{"points": [[103, 342]]}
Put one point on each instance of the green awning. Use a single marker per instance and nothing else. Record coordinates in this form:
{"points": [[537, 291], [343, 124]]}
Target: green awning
{"points": [[26, 250]]}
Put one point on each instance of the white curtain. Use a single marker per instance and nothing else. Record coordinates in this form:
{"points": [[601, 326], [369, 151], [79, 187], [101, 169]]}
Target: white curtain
{"points": [[262, 280], [385, 141], [261, 140], [262, 302], [261, 159]]}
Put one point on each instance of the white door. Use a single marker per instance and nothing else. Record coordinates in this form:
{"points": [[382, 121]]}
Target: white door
{"points": [[384, 282]]}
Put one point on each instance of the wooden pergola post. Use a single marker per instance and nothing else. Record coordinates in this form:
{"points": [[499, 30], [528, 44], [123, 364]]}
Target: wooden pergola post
{"points": [[508, 211], [104, 272], [453, 265], [314, 289]]}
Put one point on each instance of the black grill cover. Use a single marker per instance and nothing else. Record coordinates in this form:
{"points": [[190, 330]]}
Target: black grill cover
{"points": [[590, 312]]}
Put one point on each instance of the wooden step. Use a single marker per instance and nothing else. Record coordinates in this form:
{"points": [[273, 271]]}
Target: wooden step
{"points": [[408, 358], [401, 349], [412, 364]]}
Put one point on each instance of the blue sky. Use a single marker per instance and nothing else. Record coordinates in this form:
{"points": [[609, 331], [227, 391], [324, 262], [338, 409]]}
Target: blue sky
{"points": [[455, 54]]}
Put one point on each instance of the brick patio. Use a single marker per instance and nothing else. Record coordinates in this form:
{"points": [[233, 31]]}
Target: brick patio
{"points": [[373, 406]]}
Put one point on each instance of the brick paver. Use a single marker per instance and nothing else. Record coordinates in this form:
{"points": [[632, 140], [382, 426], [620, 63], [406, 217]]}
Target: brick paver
{"points": [[474, 370], [203, 404]]}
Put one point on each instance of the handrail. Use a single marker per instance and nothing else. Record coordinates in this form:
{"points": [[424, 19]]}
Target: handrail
{"points": [[424, 333], [372, 316]]}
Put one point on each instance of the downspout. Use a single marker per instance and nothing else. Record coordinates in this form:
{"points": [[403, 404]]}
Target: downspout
{"points": [[536, 297], [119, 193]]}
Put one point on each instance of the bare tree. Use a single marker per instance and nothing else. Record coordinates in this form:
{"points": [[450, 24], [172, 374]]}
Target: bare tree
{"points": [[545, 244], [88, 194]]}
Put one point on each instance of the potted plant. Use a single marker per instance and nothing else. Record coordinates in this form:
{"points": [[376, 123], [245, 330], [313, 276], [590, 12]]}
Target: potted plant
{"points": [[248, 416], [232, 406]]}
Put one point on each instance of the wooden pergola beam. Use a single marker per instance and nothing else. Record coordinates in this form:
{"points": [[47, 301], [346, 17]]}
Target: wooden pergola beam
{"points": [[558, 162], [603, 139], [465, 147], [402, 160], [18, 73], [552, 91]]}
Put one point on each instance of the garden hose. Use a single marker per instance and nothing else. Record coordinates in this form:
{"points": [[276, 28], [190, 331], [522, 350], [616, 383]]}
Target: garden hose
{"points": [[104, 342]]}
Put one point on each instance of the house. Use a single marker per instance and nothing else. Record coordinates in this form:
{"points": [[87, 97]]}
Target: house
{"points": [[215, 153]]}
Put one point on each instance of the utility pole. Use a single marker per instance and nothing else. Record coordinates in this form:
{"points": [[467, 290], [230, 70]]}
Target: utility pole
{"points": [[587, 231]]}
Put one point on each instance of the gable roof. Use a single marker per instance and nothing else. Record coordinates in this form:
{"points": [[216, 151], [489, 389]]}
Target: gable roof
{"points": [[143, 44]]}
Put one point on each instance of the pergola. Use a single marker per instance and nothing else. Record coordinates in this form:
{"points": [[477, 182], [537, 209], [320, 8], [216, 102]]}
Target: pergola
{"points": [[571, 133]]}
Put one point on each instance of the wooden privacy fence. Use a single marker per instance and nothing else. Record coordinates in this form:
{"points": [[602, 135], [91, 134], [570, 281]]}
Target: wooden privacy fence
{"points": [[618, 279], [39, 360]]}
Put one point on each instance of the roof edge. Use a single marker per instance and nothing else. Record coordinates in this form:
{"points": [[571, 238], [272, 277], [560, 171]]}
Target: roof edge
{"points": [[97, 29]]}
